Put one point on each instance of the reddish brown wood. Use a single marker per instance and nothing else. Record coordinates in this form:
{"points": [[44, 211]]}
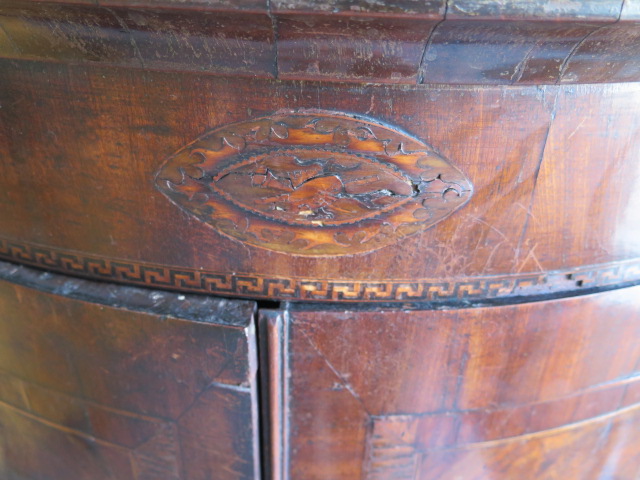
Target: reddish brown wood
{"points": [[218, 42], [507, 392], [597, 60], [475, 52], [110, 382], [275, 425], [360, 49], [313, 182], [587, 450], [79, 163], [309, 150], [399, 42]]}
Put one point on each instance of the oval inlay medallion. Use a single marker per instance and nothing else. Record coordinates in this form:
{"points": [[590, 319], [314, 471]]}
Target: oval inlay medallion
{"points": [[313, 183]]}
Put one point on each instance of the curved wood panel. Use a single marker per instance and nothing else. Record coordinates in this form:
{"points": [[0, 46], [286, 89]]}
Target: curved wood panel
{"points": [[553, 210], [604, 447], [313, 182], [400, 42], [109, 382], [455, 161], [503, 392]]}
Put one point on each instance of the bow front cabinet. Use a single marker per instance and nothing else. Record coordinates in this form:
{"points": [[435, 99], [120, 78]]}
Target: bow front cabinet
{"points": [[319, 240]]}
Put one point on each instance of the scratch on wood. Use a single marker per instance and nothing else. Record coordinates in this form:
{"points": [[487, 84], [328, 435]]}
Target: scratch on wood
{"points": [[10, 39], [576, 129], [531, 255], [335, 371], [569, 57], [132, 39], [536, 174], [521, 66]]}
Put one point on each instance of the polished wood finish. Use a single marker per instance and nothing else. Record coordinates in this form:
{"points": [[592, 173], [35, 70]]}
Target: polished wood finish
{"points": [[111, 382], [534, 391], [445, 190], [79, 165], [399, 42], [313, 182], [192, 40]]}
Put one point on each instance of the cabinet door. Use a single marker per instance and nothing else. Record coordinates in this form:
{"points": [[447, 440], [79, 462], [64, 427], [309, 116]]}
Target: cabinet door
{"points": [[535, 391], [105, 382]]}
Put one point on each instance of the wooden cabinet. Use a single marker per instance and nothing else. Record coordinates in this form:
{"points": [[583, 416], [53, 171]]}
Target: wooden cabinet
{"points": [[300, 240]]}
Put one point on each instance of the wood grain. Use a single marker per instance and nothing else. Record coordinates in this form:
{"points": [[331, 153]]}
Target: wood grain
{"points": [[469, 165], [313, 182], [228, 42], [105, 382], [369, 49], [476, 52], [80, 147], [522, 391], [481, 42]]}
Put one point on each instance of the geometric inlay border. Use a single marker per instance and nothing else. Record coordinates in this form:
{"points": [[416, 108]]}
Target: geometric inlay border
{"points": [[288, 288]]}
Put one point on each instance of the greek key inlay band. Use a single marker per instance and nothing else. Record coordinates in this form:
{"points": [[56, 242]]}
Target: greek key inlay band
{"points": [[260, 286]]}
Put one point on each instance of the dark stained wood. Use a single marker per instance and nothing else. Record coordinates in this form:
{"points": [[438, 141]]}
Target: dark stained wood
{"points": [[313, 182], [506, 52], [219, 5], [220, 42], [554, 204], [405, 8], [387, 50], [110, 382], [597, 60], [536, 391], [466, 171], [398, 42]]}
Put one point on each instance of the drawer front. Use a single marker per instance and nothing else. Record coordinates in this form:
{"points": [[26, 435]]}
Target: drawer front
{"points": [[108, 382], [536, 391]]}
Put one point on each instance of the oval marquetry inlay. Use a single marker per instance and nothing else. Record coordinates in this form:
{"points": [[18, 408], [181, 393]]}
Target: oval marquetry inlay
{"points": [[313, 187], [313, 183]]}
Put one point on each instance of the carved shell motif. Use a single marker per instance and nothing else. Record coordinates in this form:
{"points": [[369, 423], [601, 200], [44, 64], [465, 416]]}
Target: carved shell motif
{"points": [[313, 183]]}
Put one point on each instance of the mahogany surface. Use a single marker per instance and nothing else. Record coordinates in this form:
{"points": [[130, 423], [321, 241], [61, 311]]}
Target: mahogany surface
{"points": [[533, 102], [443, 194], [398, 42], [545, 390], [109, 382], [554, 196]]}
